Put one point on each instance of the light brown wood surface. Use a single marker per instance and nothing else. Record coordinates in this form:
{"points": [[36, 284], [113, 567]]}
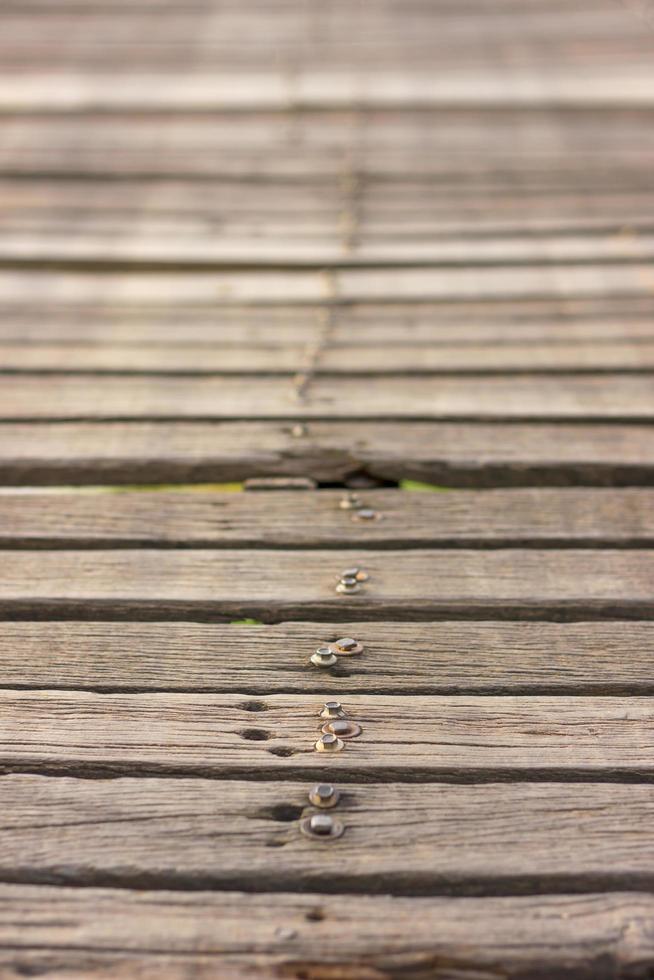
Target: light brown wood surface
{"points": [[273, 585], [359, 244], [451, 657], [400, 519], [451, 454], [179, 936]]}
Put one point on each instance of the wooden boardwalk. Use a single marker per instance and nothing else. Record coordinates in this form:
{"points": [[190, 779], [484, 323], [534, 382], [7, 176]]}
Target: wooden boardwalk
{"points": [[348, 246]]}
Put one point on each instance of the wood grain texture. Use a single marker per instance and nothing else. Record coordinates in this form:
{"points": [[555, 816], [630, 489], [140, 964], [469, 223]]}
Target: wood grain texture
{"points": [[442, 359], [399, 838], [523, 397], [492, 518], [316, 223], [565, 150], [105, 324], [271, 585], [180, 936], [384, 284], [399, 658], [403, 738], [464, 455]]}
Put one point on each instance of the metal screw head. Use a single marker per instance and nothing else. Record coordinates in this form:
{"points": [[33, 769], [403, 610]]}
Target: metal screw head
{"points": [[324, 657], [329, 743], [348, 586], [355, 573], [342, 729], [346, 647], [332, 709], [366, 514], [349, 502], [321, 825], [324, 795]]}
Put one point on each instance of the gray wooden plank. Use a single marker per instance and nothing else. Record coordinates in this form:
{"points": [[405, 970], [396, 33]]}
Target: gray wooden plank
{"points": [[527, 146], [399, 658], [177, 935], [492, 518], [399, 837], [523, 397], [450, 454], [546, 147], [554, 357], [418, 737], [272, 585]]}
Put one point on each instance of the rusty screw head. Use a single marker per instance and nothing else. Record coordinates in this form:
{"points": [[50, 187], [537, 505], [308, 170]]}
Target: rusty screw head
{"points": [[324, 657], [329, 743], [321, 825], [346, 647], [324, 795], [332, 709], [342, 729], [350, 502], [356, 573]]}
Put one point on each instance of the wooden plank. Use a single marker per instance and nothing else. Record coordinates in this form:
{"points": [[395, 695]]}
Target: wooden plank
{"points": [[521, 398], [525, 147], [443, 359], [449, 454], [399, 658], [272, 585], [198, 833], [493, 518], [426, 737], [396, 285], [273, 222], [128, 934], [60, 88], [106, 326]]}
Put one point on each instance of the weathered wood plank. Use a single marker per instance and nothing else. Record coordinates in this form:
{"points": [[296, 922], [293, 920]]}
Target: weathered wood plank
{"points": [[288, 287], [492, 397], [272, 585], [179, 936], [245, 835], [425, 737], [524, 146], [492, 518], [399, 658], [272, 222], [450, 454], [104, 324], [444, 358]]}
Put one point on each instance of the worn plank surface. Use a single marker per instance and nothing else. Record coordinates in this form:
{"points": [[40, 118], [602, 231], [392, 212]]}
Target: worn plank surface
{"points": [[454, 657], [428, 737], [523, 397], [277, 584], [493, 518], [179, 935], [637, 356], [568, 150], [490, 837], [450, 454]]}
